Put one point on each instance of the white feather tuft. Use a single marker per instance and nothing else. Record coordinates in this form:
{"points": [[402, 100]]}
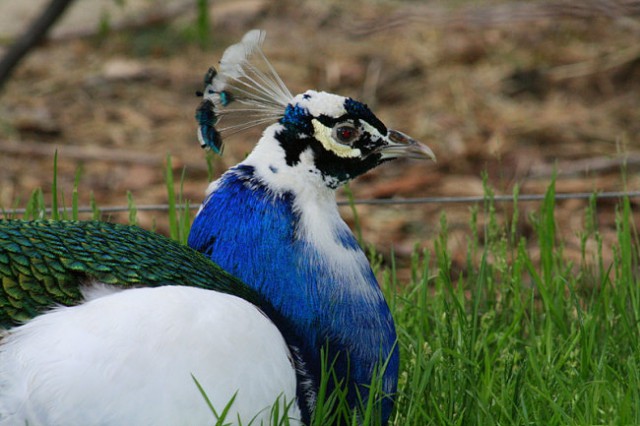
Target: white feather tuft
{"points": [[245, 92], [235, 57]]}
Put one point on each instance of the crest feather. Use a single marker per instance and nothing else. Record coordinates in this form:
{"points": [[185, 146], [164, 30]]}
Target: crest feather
{"points": [[246, 91]]}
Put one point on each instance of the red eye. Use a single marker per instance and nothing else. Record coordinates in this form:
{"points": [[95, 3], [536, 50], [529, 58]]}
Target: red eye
{"points": [[345, 133]]}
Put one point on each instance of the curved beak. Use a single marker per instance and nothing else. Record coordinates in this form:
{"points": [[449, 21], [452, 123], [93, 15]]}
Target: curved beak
{"points": [[401, 145]]}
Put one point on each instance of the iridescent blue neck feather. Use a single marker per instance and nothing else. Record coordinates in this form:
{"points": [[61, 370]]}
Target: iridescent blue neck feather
{"points": [[331, 297]]}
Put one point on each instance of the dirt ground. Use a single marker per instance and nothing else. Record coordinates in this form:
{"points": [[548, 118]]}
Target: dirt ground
{"points": [[516, 89]]}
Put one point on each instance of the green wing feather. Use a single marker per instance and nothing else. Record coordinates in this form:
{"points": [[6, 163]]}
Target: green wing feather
{"points": [[44, 263]]}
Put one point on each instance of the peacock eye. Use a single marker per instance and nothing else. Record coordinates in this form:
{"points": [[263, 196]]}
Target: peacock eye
{"points": [[345, 133]]}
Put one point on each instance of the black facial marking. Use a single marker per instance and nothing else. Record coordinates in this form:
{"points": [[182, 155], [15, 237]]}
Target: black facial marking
{"points": [[298, 135], [340, 168], [293, 147], [356, 112], [297, 130], [362, 111]]}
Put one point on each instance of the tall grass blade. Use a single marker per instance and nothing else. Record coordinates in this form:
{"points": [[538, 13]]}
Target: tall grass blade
{"points": [[54, 189]]}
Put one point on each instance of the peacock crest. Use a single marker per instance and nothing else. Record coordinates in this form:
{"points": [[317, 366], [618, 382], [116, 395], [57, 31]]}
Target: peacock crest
{"points": [[245, 91]]}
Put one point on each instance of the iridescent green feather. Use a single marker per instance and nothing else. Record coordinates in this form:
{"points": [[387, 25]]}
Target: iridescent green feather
{"points": [[44, 263]]}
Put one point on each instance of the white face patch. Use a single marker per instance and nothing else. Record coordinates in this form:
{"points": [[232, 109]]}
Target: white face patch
{"points": [[323, 134], [370, 129]]}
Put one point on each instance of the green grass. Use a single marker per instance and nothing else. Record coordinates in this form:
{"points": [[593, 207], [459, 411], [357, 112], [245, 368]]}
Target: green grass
{"points": [[518, 341], [511, 340]]}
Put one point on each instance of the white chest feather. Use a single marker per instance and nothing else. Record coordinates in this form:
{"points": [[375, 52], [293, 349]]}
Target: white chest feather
{"points": [[129, 358], [321, 226]]}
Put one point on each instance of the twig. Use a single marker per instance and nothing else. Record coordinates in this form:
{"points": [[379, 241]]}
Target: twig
{"points": [[31, 37]]}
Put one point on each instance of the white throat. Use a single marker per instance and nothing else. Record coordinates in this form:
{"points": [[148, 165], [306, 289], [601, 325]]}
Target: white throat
{"points": [[268, 160]]}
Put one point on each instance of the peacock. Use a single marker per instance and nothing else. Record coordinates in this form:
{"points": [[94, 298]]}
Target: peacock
{"points": [[273, 304]]}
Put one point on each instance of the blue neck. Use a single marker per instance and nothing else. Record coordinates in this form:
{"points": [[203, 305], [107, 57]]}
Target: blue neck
{"points": [[264, 249]]}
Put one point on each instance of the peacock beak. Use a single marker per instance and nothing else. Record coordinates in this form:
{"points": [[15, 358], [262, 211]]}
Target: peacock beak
{"points": [[401, 145]]}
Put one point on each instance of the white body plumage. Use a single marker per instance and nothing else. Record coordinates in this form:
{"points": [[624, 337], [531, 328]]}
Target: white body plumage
{"points": [[129, 358]]}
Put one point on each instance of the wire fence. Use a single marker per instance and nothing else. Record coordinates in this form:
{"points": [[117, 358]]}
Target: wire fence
{"points": [[386, 202]]}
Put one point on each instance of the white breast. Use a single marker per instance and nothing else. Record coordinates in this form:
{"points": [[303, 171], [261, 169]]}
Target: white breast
{"points": [[128, 359]]}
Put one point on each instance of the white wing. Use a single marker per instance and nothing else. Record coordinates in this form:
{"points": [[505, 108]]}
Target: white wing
{"points": [[129, 358]]}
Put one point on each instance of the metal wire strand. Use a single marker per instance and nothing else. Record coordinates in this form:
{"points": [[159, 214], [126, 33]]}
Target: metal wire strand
{"points": [[388, 201]]}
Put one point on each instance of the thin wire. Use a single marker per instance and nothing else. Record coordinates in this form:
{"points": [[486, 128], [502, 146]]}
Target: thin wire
{"points": [[497, 198], [390, 201]]}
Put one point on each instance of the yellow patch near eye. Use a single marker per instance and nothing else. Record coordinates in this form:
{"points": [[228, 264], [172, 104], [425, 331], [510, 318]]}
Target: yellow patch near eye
{"points": [[323, 134]]}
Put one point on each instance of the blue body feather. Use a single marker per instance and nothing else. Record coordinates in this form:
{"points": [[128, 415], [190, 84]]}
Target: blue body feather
{"points": [[263, 249]]}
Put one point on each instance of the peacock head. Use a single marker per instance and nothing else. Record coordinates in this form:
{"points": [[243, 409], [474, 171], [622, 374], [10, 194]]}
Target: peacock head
{"points": [[331, 136]]}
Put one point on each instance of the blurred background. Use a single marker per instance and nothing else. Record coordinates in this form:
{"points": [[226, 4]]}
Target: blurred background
{"points": [[508, 89]]}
